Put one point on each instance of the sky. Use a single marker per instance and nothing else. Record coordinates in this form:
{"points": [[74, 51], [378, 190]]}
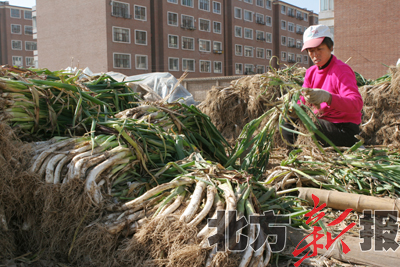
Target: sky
{"points": [[309, 4]]}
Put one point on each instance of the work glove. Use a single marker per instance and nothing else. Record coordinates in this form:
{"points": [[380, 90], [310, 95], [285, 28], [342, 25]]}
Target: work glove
{"points": [[317, 96]]}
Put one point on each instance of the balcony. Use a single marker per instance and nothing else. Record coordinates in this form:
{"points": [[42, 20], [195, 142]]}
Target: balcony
{"points": [[260, 21], [218, 51], [125, 16], [292, 45], [299, 32], [291, 60], [260, 39], [188, 27], [299, 17], [291, 14]]}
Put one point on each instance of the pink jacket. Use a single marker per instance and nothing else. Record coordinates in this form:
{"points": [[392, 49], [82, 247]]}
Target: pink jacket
{"points": [[339, 80]]}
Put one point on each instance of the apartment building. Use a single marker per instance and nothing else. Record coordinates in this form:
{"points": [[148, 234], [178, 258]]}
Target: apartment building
{"points": [[365, 33], [16, 41], [204, 37], [327, 14]]}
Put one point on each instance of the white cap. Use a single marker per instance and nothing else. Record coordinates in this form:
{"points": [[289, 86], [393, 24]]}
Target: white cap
{"points": [[314, 35]]}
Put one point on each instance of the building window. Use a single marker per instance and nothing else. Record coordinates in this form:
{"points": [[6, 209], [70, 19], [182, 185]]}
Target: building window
{"points": [[204, 45], [291, 42], [284, 56], [16, 28], [217, 47], [299, 29], [299, 44], [298, 58], [122, 61], [188, 3], [283, 9], [29, 61], [238, 13], [260, 69], [248, 69], [28, 29], [17, 61], [260, 19], [268, 53], [290, 26], [187, 43], [205, 66], [305, 17], [216, 7], [217, 67], [268, 37], [141, 62], [30, 46], [15, 13], [173, 1], [204, 25], [305, 59], [283, 40], [248, 33], [248, 51], [316, 20], [16, 45], [327, 5], [238, 31], [290, 12], [188, 64], [260, 3], [122, 35], [173, 64], [238, 50], [260, 36], [140, 12], [299, 15], [173, 41], [217, 27], [268, 21], [260, 52], [291, 58], [172, 19], [248, 15], [140, 37], [204, 5], [238, 68], [268, 4], [248, 1], [27, 14], [120, 9], [283, 25], [187, 22]]}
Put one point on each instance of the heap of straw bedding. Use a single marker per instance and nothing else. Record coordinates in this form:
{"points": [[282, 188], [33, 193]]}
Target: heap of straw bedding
{"points": [[380, 111], [245, 99]]}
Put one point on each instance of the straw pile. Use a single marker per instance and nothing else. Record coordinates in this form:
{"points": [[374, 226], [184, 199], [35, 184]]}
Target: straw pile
{"points": [[381, 111], [247, 98]]}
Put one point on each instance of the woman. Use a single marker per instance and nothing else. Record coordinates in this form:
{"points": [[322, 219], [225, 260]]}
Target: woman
{"points": [[333, 89]]}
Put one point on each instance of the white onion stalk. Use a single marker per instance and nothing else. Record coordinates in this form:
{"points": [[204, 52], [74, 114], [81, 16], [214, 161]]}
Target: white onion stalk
{"points": [[154, 191], [211, 191], [51, 166], [118, 226], [194, 203], [38, 162], [175, 205], [220, 205], [248, 253], [99, 169]]}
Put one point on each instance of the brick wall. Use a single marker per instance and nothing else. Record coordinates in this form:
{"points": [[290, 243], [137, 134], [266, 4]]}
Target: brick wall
{"points": [[368, 32], [199, 87]]}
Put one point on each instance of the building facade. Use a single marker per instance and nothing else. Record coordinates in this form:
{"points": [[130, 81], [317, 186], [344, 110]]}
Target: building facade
{"points": [[204, 37], [327, 15], [16, 40], [365, 33]]}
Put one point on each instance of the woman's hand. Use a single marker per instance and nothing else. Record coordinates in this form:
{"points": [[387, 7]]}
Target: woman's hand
{"points": [[317, 96]]}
